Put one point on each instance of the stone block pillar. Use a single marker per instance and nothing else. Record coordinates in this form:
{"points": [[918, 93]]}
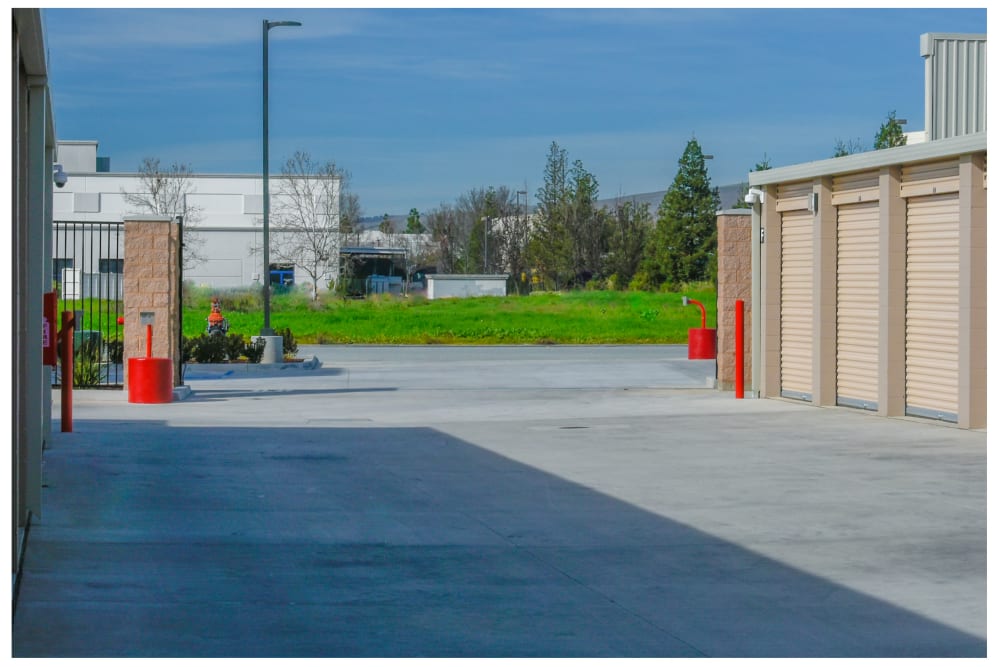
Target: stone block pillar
{"points": [[735, 282], [152, 286]]}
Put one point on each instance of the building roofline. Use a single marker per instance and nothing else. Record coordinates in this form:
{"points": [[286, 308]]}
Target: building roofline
{"points": [[135, 174], [362, 250], [928, 37], [930, 150], [467, 276]]}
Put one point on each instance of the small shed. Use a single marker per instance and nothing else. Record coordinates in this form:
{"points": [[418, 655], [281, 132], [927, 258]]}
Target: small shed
{"points": [[442, 286]]}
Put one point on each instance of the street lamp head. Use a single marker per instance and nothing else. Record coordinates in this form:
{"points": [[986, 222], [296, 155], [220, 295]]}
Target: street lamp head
{"points": [[275, 24]]}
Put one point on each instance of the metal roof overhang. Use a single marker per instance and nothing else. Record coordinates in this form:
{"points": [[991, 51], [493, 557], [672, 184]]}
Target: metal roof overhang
{"points": [[922, 152], [373, 252]]}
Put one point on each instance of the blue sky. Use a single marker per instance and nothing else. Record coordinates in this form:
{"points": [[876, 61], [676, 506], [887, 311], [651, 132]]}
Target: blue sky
{"points": [[422, 105]]}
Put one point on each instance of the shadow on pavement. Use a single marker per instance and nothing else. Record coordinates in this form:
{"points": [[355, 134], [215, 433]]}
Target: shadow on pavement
{"points": [[167, 541], [243, 371]]}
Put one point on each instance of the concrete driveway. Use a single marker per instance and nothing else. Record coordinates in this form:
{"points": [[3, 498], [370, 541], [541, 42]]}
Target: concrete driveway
{"points": [[501, 501]]}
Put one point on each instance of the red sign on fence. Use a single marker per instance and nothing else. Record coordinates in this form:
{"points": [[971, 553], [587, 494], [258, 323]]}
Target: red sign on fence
{"points": [[49, 332]]}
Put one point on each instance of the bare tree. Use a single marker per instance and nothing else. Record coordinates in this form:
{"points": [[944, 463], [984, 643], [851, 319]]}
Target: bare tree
{"points": [[350, 214], [848, 147], [164, 191], [629, 225], [447, 231], [307, 216]]}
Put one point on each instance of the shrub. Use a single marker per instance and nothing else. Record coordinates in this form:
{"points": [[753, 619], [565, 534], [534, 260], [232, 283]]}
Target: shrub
{"points": [[115, 350], [254, 350], [234, 346], [187, 349], [208, 349], [288, 344], [87, 365], [641, 281], [246, 300]]}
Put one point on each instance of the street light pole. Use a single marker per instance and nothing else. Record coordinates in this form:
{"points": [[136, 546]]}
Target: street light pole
{"points": [[267, 330]]}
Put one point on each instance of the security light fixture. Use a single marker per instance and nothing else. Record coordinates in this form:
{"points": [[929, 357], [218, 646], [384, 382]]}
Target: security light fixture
{"points": [[753, 196], [58, 175]]}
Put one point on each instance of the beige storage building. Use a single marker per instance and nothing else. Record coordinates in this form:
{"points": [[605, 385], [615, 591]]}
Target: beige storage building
{"points": [[870, 269]]}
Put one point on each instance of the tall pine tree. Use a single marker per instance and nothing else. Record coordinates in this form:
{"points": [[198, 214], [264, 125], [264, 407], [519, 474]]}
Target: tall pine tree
{"points": [[683, 244], [550, 247]]}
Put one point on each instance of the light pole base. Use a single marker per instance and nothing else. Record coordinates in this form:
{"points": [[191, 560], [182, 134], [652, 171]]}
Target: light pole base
{"points": [[273, 353]]}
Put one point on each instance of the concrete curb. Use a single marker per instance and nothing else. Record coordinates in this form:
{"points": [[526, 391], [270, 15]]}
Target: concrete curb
{"points": [[197, 372], [220, 371]]}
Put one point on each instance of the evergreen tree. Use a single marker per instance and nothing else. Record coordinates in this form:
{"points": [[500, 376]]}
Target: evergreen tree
{"points": [[587, 232], [890, 134], [550, 245], [683, 246], [413, 225]]}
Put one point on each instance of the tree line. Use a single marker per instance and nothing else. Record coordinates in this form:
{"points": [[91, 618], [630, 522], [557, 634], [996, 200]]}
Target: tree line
{"points": [[568, 241]]}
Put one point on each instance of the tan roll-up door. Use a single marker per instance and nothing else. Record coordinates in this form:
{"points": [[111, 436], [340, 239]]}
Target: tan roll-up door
{"points": [[796, 304], [857, 305], [932, 298]]}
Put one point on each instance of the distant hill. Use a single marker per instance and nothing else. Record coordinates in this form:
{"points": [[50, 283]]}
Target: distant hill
{"points": [[729, 196], [373, 221]]}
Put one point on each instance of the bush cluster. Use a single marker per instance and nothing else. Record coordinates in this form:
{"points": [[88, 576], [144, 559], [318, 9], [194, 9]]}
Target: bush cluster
{"points": [[205, 349]]}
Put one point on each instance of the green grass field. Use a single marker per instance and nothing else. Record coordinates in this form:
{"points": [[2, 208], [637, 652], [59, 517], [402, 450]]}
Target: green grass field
{"points": [[584, 317]]}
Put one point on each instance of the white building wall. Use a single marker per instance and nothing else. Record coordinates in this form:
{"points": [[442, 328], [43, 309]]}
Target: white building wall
{"points": [[440, 286], [77, 156], [224, 213]]}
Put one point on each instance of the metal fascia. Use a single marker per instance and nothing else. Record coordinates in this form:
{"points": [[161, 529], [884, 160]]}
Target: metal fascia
{"points": [[929, 150]]}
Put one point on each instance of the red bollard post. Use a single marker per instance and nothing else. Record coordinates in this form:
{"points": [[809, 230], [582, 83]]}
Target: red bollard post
{"points": [[739, 349], [149, 341], [66, 383]]}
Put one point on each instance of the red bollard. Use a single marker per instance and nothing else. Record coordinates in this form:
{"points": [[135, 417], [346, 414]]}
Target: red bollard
{"points": [[739, 349], [151, 379]]}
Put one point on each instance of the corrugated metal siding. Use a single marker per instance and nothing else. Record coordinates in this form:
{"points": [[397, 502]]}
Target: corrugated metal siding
{"points": [[956, 84], [932, 298], [794, 196], [857, 305], [929, 178], [854, 188], [796, 304]]}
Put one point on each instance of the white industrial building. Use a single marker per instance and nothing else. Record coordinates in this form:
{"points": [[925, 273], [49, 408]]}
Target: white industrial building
{"points": [[223, 223], [224, 218]]}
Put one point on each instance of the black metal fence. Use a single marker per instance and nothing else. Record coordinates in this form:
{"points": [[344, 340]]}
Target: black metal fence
{"points": [[87, 269]]}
